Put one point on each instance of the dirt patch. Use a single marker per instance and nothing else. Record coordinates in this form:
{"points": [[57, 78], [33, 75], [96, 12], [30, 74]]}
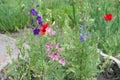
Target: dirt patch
{"points": [[110, 73], [17, 35]]}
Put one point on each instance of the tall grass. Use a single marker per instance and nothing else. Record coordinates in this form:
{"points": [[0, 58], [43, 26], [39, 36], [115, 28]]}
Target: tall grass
{"points": [[97, 9], [14, 15], [53, 3], [59, 9]]}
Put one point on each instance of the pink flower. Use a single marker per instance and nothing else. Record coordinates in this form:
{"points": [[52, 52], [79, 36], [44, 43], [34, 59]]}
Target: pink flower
{"points": [[53, 56], [57, 47], [53, 32], [50, 31], [62, 61], [49, 55], [48, 46]]}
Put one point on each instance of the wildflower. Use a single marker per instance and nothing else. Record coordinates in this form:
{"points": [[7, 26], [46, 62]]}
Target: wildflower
{"points": [[81, 28], [48, 46], [62, 61], [83, 34], [107, 17], [50, 31], [40, 23], [53, 32], [82, 37], [33, 28], [57, 47], [49, 55], [45, 25], [55, 56], [43, 28], [36, 31], [38, 18], [33, 12]]}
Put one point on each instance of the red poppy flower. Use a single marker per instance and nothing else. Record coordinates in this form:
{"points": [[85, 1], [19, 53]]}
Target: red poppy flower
{"points": [[43, 28], [107, 17]]}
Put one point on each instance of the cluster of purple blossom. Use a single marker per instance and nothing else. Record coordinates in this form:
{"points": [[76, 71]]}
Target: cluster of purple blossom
{"points": [[54, 55], [33, 12], [83, 35]]}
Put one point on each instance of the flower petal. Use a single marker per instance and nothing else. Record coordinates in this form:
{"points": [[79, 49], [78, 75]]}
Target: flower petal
{"points": [[62, 62]]}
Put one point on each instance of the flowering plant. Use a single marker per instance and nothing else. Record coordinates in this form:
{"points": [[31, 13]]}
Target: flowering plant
{"points": [[107, 17]]}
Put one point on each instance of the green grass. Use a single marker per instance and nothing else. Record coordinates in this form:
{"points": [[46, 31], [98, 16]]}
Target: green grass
{"points": [[96, 11], [53, 4], [14, 15]]}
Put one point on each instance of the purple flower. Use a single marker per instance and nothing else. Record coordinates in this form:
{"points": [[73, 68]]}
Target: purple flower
{"points": [[36, 31], [82, 37], [81, 28], [33, 28], [38, 18], [33, 12], [40, 23]]}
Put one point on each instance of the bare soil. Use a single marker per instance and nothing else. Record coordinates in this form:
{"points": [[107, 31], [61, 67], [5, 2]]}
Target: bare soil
{"points": [[110, 73]]}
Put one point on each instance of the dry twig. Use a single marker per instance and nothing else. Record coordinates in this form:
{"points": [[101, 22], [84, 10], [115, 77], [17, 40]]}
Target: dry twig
{"points": [[117, 61]]}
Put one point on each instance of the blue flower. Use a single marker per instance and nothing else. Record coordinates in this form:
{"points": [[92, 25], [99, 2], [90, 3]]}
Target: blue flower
{"points": [[33, 12], [40, 23], [36, 31], [38, 18], [82, 37], [81, 28]]}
